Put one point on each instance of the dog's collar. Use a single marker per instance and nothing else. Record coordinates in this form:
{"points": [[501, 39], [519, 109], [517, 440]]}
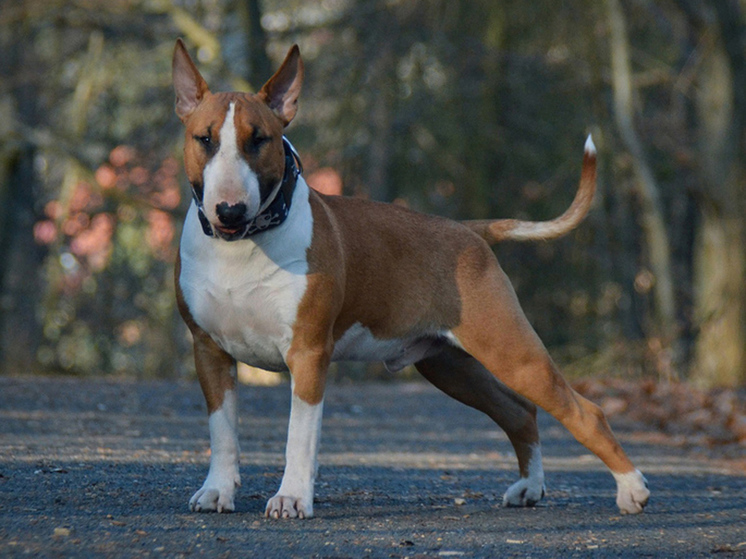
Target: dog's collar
{"points": [[277, 210]]}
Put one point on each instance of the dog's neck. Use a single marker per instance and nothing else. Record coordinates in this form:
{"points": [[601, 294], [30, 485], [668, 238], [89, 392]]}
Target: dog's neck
{"points": [[276, 211]]}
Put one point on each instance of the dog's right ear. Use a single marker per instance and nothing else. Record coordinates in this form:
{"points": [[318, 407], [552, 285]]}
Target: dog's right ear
{"points": [[189, 85]]}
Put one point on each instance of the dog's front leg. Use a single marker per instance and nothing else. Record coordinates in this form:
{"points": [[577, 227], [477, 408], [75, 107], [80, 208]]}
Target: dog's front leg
{"points": [[217, 376], [295, 496]]}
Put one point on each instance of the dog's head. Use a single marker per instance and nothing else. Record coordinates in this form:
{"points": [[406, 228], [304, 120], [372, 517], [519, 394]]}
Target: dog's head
{"points": [[233, 149]]}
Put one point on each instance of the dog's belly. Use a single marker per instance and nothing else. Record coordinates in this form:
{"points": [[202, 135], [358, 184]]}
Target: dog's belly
{"points": [[359, 344]]}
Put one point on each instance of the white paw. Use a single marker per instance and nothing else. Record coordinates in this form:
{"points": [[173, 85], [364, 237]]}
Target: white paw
{"points": [[215, 496], [525, 492], [283, 506], [632, 492]]}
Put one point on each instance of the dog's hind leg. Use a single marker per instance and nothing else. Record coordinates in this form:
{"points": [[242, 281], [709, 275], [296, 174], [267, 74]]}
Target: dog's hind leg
{"points": [[494, 330], [464, 378]]}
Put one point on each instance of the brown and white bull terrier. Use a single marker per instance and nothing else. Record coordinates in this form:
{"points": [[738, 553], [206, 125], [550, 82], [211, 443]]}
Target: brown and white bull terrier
{"points": [[276, 275]]}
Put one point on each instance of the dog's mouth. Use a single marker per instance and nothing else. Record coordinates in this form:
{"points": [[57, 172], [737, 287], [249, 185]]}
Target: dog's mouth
{"points": [[232, 233]]}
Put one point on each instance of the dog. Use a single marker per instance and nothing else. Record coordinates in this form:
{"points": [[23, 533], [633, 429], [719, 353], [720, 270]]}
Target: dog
{"points": [[273, 274]]}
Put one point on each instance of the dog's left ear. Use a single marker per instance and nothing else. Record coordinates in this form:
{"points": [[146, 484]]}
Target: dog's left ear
{"points": [[189, 85], [282, 90]]}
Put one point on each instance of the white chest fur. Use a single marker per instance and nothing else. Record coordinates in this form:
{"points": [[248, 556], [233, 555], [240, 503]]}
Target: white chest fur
{"points": [[245, 293]]}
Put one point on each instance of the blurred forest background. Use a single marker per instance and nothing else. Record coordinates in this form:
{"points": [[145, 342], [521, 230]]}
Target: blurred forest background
{"points": [[468, 109]]}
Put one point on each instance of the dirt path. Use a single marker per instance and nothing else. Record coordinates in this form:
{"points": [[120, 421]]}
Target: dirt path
{"points": [[105, 469]]}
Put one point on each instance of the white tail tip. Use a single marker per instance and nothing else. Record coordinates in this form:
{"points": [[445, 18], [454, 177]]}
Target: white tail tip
{"points": [[590, 147]]}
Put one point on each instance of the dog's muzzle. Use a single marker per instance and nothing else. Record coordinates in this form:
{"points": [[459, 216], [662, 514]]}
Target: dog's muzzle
{"points": [[233, 226]]}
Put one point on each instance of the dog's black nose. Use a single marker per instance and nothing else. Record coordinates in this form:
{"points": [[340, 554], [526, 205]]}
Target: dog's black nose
{"points": [[231, 215]]}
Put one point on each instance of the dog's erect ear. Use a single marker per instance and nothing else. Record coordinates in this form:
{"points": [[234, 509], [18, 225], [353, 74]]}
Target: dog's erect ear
{"points": [[282, 90], [189, 85]]}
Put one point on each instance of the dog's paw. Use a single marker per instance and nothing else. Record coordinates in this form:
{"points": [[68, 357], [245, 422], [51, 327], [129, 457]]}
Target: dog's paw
{"points": [[215, 496], [632, 492], [525, 492], [283, 506]]}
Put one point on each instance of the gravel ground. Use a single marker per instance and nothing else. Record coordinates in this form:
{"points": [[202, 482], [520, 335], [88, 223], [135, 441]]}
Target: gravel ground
{"points": [[93, 468]]}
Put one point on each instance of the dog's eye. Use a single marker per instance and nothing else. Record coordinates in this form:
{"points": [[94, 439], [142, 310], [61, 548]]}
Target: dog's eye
{"points": [[255, 141], [206, 142]]}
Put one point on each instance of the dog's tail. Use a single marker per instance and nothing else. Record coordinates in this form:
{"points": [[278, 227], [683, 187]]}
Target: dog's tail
{"points": [[494, 231]]}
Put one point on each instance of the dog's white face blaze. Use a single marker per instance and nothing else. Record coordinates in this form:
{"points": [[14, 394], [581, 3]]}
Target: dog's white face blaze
{"points": [[227, 176]]}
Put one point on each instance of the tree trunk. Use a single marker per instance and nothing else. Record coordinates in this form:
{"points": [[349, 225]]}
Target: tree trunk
{"points": [[719, 301], [651, 218], [377, 177], [260, 67], [720, 270], [21, 258]]}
